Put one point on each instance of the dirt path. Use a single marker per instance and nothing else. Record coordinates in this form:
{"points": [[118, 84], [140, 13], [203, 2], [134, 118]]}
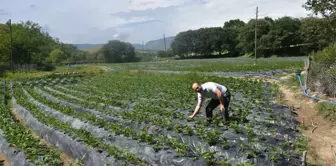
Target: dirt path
{"points": [[321, 132], [4, 160]]}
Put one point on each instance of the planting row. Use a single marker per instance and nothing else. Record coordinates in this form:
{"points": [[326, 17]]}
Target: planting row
{"points": [[20, 144], [157, 106]]}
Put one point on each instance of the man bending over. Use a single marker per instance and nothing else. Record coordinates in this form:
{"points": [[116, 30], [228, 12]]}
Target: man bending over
{"points": [[219, 95]]}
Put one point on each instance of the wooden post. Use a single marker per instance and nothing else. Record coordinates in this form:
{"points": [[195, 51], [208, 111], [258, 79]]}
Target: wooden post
{"points": [[304, 158]]}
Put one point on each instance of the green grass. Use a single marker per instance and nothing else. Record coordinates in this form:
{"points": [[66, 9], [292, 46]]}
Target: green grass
{"points": [[327, 110], [290, 81], [240, 64], [8, 75]]}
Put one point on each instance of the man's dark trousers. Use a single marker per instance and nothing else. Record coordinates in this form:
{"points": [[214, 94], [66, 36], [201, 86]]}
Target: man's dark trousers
{"points": [[215, 102]]}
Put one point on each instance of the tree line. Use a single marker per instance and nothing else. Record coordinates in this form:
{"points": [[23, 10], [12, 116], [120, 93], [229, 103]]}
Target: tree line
{"points": [[32, 45], [285, 35]]}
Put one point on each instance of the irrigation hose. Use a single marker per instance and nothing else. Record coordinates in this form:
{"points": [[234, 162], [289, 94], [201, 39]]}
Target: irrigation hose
{"points": [[306, 94]]}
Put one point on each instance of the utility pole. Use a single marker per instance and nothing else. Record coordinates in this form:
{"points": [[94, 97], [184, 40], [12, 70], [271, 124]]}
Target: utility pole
{"points": [[255, 37], [164, 39], [143, 47], [9, 23]]}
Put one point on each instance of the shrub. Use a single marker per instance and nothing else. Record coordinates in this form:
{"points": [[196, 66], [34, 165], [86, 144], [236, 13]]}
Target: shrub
{"points": [[326, 56], [327, 110], [322, 72]]}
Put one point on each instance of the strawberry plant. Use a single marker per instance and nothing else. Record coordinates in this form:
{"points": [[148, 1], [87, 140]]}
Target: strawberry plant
{"points": [[149, 111], [24, 139]]}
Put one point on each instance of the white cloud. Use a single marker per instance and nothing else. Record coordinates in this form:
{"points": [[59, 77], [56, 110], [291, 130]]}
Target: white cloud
{"points": [[84, 21], [152, 4]]}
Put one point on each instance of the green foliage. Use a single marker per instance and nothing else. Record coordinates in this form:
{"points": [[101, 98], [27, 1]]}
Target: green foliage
{"points": [[159, 115], [118, 51], [219, 65], [324, 7], [282, 36], [322, 71], [315, 31], [167, 53], [31, 45], [24, 139], [56, 56], [327, 110], [300, 144], [326, 56]]}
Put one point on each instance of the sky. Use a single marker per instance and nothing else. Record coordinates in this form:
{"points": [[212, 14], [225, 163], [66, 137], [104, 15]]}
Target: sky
{"points": [[137, 21]]}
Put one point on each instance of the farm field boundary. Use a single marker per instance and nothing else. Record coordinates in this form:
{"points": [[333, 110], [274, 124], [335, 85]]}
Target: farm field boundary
{"points": [[322, 146], [160, 123]]}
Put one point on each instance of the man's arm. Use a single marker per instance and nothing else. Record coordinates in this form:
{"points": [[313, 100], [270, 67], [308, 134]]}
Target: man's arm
{"points": [[199, 105], [220, 97]]}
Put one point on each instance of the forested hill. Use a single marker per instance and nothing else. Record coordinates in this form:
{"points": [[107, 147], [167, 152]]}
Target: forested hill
{"points": [[159, 44], [285, 35], [156, 45]]}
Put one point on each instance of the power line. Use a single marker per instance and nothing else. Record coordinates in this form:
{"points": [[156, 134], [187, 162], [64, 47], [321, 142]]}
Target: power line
{"points": [[255, 37]]}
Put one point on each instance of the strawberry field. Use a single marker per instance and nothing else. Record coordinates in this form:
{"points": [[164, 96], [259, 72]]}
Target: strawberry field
{"points": [[217, 65], [141, 118]]}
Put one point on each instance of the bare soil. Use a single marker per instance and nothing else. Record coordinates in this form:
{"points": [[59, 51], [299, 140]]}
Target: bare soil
{"points": [[4, 160], [320, 132]]}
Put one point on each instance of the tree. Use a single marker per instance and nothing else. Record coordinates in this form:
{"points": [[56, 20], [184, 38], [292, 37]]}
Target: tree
{"points": [[4, 44], [167, 53], [247, 35], [182, 43], [56, 56], [326, 8], [314, 33], [231, 30], [285, 32], [118, 51]]}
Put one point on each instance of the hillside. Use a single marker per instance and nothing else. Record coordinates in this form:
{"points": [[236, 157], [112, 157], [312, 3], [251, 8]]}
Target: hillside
{"points": [[159, 44], [151, 45], [93, 49], [86, 46]]}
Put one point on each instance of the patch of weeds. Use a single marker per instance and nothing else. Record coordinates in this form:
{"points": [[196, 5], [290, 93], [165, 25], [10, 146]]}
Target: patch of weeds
{"points": [[278, 95], [235, 127], [300, 144], [303, 127], [270, 118], [275, 153], [327, 110], [224, 162], [225, 144], [248, 163], [209, 158], [212, 137]]}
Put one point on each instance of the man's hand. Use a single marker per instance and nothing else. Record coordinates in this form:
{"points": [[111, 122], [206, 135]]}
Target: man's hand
{"points": [[221, 107], [191, 116]]}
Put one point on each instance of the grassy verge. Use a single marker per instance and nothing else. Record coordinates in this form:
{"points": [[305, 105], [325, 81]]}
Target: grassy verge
{"points": [[290, 81], [327, 110], [8, 75], [23, 74], [87, 69]]}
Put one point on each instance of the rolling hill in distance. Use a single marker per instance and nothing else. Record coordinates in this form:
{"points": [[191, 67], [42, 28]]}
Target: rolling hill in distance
{"points": [[155, 45]]}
